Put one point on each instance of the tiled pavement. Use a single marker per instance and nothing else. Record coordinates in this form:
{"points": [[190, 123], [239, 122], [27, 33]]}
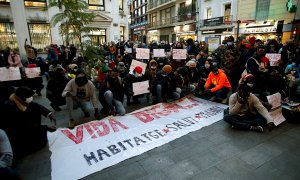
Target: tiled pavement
{"points": [[213, 152]]}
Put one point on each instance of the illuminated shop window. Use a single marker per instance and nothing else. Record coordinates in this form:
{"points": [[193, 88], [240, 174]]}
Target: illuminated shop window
{"points": [[40, 35], [8, 36], [98, 37], [4, 1], [97, 5], [122, 32], [35, 3]]}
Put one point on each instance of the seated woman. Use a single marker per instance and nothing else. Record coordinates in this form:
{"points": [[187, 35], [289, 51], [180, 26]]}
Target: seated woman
{"points": [[23, 127]]}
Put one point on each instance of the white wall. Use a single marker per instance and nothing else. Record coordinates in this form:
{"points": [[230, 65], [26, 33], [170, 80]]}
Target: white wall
{"points": [[217, 8]]}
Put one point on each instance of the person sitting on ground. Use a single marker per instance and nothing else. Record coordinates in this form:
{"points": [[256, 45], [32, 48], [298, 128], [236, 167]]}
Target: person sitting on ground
{"points": [[52, 68], [24, 127], [217, 84], [111, 94], [6, 158], [79, 92], [14, 59], [35, 83], [165, 85], [54, 89], [137, 76], [246, 111]]}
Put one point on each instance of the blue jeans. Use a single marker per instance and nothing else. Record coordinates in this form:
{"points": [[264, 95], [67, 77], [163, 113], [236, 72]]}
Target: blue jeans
{"points": [[73, 101], [175, 95], [222, 93], [109, 98]]}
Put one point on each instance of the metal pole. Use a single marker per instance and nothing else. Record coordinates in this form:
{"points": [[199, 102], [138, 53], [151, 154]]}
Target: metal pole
{"points": [[238, 29]]}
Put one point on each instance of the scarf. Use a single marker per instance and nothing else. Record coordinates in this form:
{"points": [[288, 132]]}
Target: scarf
{"points": [[19, 102]]}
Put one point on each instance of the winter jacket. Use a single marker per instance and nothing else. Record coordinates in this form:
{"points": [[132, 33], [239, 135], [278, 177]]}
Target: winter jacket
{"points": [[219, 81]]}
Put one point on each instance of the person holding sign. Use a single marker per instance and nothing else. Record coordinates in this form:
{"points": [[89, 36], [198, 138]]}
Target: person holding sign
{"points": [[246, 111], [137, 76], [24, 127]]}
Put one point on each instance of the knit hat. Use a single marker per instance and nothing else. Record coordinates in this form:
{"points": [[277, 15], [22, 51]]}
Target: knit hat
{"points": [[191, 64], [24, 92], [138, 69], [167, 69]]}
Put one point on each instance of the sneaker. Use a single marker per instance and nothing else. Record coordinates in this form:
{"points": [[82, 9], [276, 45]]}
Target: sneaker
{"points": [[71, 123], [86, 114], [257, 128], [214, 98], [6, 160]]}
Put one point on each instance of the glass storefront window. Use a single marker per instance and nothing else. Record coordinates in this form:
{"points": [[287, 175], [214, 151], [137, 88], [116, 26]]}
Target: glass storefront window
{"points": [[72, 40], [96, 5], [35, 3], [4, 1], [98, 37], [122, 32], [40, 35], [8, 36]]}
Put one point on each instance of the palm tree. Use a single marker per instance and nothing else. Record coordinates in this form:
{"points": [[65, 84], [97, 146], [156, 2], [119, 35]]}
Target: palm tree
{"points": [[74, 18]]}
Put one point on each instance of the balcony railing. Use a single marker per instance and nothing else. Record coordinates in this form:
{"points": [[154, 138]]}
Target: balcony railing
{"points": [[173, 20], [216, 21], [156, 3]]}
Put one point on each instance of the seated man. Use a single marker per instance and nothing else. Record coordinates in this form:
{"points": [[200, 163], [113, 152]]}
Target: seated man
{"points": [[80, 91], [243, 108], [165, 85], [217, 84], [111, 94]]}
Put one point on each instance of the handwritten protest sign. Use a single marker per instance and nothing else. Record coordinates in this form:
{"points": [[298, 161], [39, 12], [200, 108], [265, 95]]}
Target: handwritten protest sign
{"points": [[159, 53], [142, 53], [273, 58], [213, 43], [10, 74], [179, 53], [136, 63], [129, 50], [276, 111], [140, 87], [32, 72], [96, 145]]}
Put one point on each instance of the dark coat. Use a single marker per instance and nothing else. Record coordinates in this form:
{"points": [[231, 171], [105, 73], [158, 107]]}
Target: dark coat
{"points": [[54, 89], [168, 82]]}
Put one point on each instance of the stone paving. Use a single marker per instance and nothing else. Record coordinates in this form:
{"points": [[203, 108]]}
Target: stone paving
{"points": [[213, 152]]}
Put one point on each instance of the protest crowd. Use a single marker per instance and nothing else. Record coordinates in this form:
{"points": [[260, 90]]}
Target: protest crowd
{"points": [[240, 73]]}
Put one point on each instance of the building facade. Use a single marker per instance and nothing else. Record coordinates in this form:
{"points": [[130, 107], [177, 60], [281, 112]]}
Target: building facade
{"points": [[267, 19], [138, 20], [217, 18], [171, 20], [21, 19]]}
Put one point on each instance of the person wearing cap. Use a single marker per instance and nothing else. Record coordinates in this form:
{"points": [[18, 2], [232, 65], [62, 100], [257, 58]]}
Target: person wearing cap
{"points": [[217, 84], [79, 92], [136, 76], [165, 85], [24, 127], [246, 111], [111, 94]]}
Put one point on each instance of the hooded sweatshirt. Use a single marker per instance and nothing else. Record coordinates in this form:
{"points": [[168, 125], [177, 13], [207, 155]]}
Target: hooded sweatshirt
{"points": [[219, 81]]}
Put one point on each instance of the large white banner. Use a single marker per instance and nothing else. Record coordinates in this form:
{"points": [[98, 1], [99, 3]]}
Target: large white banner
{"points": [[96, 145], [10, 74], [142, 53], [179, 53]]}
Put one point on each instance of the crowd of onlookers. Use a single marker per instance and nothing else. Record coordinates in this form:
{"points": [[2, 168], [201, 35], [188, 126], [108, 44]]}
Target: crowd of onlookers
{"points": [[236, 73]]}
